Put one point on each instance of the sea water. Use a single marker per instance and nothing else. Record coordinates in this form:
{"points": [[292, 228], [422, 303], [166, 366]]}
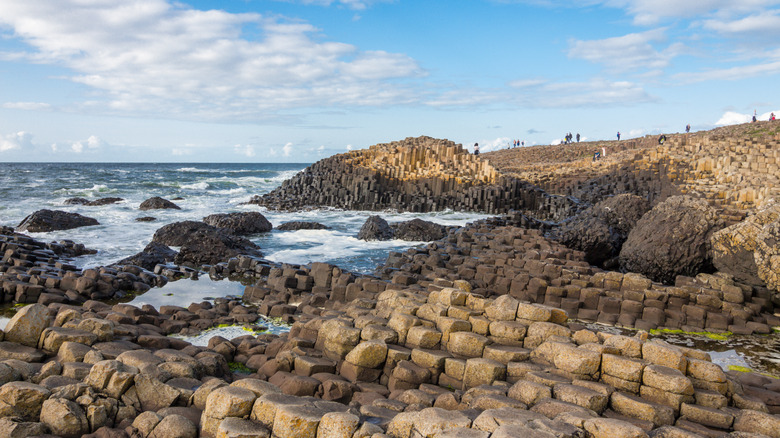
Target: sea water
{"points": [[205, 189]]}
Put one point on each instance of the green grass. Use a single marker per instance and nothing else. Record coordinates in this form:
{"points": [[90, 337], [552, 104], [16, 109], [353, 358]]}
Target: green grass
{"points": [[238, 367]]}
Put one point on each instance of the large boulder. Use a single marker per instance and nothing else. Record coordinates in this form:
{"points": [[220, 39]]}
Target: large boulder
{"points": [[201, 243], [600, 231], [671, 239], [734, 247], [301, 225], [158, 203], [375, 228], [418, 230], [27, 325], [53, 220], [240, 223], [153, 254]]}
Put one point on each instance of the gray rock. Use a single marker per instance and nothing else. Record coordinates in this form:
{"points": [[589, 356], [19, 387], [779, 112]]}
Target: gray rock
{"points": [[240, 223], [375, 228], [53, 220], [158, 203]]}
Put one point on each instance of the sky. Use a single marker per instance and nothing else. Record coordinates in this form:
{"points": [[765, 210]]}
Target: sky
{"points": [[300, 80]]}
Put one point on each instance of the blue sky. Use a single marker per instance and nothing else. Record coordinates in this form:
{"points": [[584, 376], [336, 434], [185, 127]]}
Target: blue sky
{"points": [[299, 80]]}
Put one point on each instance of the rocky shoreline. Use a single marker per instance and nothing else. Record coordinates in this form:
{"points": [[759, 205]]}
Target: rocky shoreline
{"points": [[479, 333]]}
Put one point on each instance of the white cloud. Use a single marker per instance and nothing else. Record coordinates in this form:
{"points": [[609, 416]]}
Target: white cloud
{"points": [[735, 118], [18, 140], [157, 57], [351, 4], [731, 73], [630, 52], [349, 147], [180, 152], [245, 150], [77, 147], [30, 106], [767, 22], [287, 149]]}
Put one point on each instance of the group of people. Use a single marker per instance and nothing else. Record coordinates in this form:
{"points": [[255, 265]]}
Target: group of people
{"points": [[771, 116], [516, 143], [568, 138]]}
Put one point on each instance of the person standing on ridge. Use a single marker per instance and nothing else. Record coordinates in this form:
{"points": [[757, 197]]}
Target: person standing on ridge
{"points": [[772, 117], [687, 128], [618, 135], [578, 137], [476, 148]]}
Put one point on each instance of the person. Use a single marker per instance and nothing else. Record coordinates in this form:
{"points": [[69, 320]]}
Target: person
{"points": [[578, 137], [754, 116], [662, 139], [772, 117], [522, 143], [688, 128], [476, 148], [618, 135], [603, 151], [596, 155]]}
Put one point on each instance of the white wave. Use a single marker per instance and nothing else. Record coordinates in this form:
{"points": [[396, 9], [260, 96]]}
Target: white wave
{"points": [[197, 186], [189, 169]]}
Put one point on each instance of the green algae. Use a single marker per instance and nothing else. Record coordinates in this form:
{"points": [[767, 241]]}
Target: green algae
{"points": [[740, 368], [714, 336], [238, 367]]}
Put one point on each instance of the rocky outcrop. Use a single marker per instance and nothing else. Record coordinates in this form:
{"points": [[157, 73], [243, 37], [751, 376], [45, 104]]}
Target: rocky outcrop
{"points": [[600, 231], [420, 174], [36, 272], [301, 225], [93, 203], [415, 230], [203, 244], [158, 203], [767, 257], [53, 220], [240, 223], [734, 247], [375, 228], [671, 239], [153, 254], [418, 230]]}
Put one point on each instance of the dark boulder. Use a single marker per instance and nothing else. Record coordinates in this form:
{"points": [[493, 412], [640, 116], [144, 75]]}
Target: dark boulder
{"points": [[158, 203], [145, 219], [671, 239], [53, 220], [418, 230], [154, 254], [94, 203], [600, 231], [201, 243], [301, 225], [375, 228], [240, 223]]}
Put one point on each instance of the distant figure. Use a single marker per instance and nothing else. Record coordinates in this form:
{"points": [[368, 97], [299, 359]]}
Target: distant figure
{"points": [[754, 116], [578, 137], [772, 117], [596, 156], [618, 135], [687, 128], [662, 139], [603, 151], [522, 143], [476, 148]]}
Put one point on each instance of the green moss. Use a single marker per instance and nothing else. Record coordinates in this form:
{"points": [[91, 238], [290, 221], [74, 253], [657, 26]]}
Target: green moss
{"points": [[714, 336], [238, 367], [739, 368]]}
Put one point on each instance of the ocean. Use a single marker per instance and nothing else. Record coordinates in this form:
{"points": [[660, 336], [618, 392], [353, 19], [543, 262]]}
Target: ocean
{"points": [[206, 189]]}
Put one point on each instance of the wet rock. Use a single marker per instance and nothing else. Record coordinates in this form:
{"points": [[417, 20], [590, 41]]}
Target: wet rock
{"points": [[203, 244], [240, 223], [53, 220], [671, 239], [301, 225], [158, 203], [375, 228], [153, 254], [93, 203], [418, 230]]}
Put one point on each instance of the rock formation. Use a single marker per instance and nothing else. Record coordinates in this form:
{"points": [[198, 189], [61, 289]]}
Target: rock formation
{"points": [[301, 225], [158, 203], [671, 239], [201, 243], [240, 223], [93, 203], [53, 220]]}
